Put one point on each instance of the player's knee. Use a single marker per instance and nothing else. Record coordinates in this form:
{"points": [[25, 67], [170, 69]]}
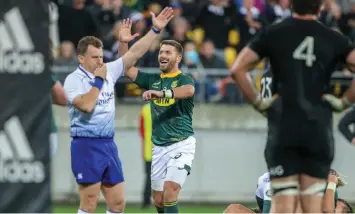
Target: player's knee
{"points": [[117, 205], [235, 208], [88, 202], [171, 191], [158, 201]]}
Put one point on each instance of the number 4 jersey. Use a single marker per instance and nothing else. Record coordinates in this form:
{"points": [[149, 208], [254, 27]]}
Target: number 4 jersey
{"points": [[303, 55]]}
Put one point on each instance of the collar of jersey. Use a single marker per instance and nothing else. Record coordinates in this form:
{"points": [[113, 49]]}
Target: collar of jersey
{"points": [[88, 74], [170, 75]]}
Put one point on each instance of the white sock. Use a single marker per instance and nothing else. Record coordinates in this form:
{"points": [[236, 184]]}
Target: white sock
{"points": [[109, 212], [82, 211]]}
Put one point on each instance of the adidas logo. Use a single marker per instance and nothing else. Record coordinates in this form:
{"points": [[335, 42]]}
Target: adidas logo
{"points": [[17, 164], [16, 46]]}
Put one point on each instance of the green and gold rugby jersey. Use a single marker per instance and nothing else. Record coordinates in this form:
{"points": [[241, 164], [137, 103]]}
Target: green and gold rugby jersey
{"points": [[171, 118]]}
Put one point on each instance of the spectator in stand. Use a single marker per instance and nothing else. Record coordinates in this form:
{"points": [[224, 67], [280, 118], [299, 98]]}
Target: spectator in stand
{"points": [[216, 19], [191, 58], [139, 25], [278, 11], [66, 54], [348, 22], [179, 27], [136, 5], [106, 13], [250, 21], [345, 5], [111, 44], [189, 8], [208, 56], [75, 22], [149, 60], [330, 14], [175, 4], [209, 59]]}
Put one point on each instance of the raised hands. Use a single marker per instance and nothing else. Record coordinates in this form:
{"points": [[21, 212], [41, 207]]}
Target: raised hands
{"points": [[163, 18], [124, 31]]}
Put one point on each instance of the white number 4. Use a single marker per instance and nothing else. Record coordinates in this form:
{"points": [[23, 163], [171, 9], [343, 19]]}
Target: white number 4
{"points": [[305, 51]]}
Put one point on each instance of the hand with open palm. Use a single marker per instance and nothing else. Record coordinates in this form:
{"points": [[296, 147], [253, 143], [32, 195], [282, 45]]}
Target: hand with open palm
{"points": [[163, 18], [124, 31]]}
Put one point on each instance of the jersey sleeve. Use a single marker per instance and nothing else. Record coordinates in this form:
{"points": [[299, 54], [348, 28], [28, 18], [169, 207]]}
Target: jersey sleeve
{"points": [[258, 44], [345, 46], [116, 69], [143, 79], [267, 192], [186, 80], [72, 87]]}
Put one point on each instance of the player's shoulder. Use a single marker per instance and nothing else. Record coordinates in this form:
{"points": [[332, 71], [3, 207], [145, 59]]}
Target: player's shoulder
{"points": [[184, 75], [266, 177], [74, 76], [186, 78]]}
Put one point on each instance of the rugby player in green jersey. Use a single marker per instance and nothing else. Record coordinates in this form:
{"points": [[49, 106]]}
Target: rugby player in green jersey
{"points": [[58, 97], [171, 94]]}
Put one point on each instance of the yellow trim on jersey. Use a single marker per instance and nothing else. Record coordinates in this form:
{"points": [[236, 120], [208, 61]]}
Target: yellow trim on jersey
{"points": [[170, 75]]}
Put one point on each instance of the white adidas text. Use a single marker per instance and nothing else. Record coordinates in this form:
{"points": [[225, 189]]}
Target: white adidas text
{"points": [[16, 47], [17, 164]]}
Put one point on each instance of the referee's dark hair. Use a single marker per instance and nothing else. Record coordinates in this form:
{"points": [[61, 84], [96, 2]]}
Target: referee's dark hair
{"points": [[175, 44], [85, 42], [306, 7], [348, 208]]}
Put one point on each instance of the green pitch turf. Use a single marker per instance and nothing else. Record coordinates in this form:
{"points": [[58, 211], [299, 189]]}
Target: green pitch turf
{"points": [[137, 209]]}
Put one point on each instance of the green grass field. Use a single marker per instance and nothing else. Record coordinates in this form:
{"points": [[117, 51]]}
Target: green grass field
{"points": [[136, 209], [131, 208]]}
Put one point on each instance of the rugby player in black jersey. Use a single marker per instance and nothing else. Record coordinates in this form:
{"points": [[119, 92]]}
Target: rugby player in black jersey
{"points": [[303, 54]]}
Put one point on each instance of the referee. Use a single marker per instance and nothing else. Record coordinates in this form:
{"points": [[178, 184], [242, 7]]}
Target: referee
{"points": [[145, 129], [346, 120]]}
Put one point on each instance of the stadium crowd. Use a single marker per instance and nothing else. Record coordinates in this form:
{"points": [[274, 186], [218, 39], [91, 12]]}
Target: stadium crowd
{"points": [[212, 32]]}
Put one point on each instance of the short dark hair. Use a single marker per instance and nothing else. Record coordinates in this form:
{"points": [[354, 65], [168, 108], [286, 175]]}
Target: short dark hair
{"points": [[348, 209], [175, 44], [85, 42], [304, 7]]}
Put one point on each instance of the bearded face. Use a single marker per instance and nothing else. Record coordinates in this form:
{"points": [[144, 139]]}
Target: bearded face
{"points": [[168, 58]]}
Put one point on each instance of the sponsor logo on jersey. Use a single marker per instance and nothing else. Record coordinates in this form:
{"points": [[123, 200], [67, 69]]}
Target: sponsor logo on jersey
{"points": [[174, 84], [164, 101]]}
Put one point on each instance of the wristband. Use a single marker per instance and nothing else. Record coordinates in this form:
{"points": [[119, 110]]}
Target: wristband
{"points": [[99, 82], [332, 186], [155, 30], [168, 93]]}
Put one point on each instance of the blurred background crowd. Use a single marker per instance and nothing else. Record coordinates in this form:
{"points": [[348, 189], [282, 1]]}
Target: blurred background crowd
{"points": [[212, 33]]}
